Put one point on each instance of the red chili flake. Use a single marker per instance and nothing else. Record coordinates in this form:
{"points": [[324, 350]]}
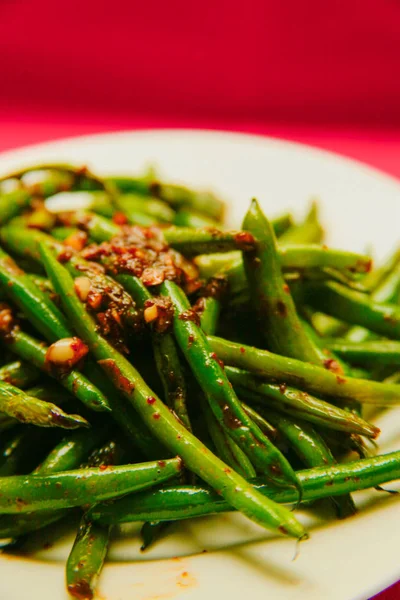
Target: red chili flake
{"points": [[213, 355], [120, 219], [156, 416], [190, 315], [282, 388], [244, 240], [242, 350], [150, 400], [190, 340], [161, 463], [227, 470], [332, 365], [286, 288], [103, 467], [340, 379]]}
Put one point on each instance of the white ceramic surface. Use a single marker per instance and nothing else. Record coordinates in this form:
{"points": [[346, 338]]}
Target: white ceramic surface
{"points": [[342, 560]]}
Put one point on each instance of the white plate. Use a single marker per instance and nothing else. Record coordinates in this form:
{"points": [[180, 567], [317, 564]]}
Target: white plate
{"points": [[342, 560]]}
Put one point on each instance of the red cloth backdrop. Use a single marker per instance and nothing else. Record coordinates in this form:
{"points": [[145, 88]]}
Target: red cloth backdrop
{"points": [[307, 61]]}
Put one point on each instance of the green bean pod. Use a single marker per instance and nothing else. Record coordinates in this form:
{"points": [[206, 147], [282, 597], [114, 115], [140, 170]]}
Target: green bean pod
{"points": [[278, 319], [177, 196], [12, 203], [41, 312], [183, 502], [308, 232], [226, 448], [86, 558], [26, 493], [354, 308], [374, 352], [302, 375], [295, 403]]}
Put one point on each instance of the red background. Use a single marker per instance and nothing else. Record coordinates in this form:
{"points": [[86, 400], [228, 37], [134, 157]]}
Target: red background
{"points": [[326, 73]]}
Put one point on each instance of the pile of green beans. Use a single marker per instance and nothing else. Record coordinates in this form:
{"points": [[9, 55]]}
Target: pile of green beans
{"points": [[226, 369]]}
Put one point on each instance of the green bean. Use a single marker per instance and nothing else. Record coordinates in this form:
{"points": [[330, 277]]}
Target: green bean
{"points": [[20, 449], [262, 423], [312, 450], [202, 241], [189, 218], [374, 352], [277, 316], [385, 291], [158, 418], [303, 405], [133, 203], [46, 182], [42, 283], [26, 493], [226, 448], [86, 558], [209, 316], [68, 454], [34, 352], [165, 354], [20, 374], [150, 532], [63, 233], [308, 232], [183, 502], [12, 203], [82, 177], [72, 451], [220, 395], [27, 409], [291, 257], [176, 195], [282, 223], [379, 274], [41, 312], [303, 375], [303, 438], [355, 308]]}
